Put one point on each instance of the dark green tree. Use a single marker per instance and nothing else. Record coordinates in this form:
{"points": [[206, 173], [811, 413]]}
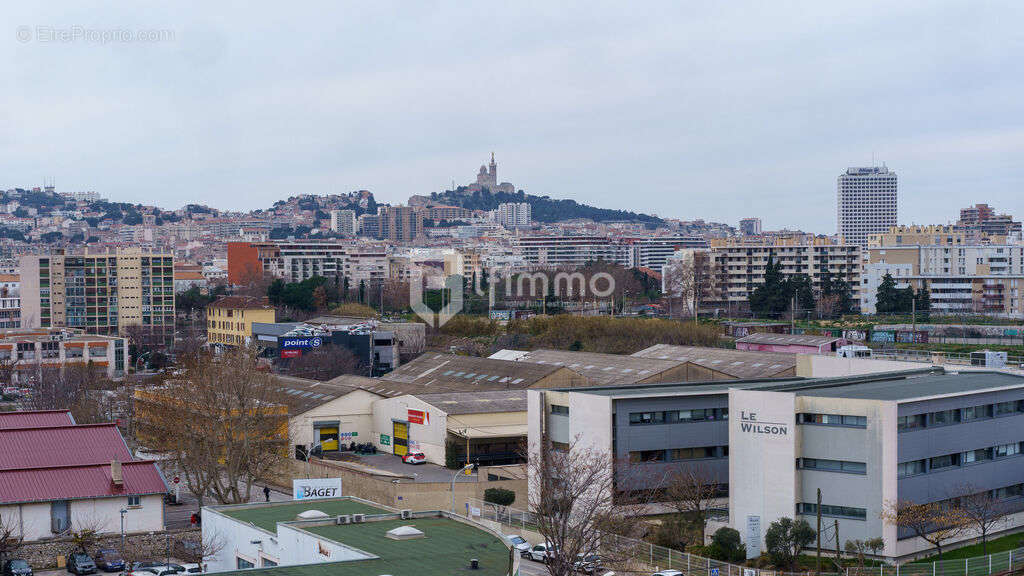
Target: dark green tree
{"points": [[923, 302], [800, 287], [887, 296], [784, 540], [771, 298]]}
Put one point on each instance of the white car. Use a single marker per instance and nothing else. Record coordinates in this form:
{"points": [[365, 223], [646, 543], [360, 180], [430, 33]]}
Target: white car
{"points": [[543, 552], [192, 569], [520, 544], [668, 573]]}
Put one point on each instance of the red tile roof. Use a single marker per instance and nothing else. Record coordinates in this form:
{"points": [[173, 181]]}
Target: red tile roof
{"points": [[76, 482], [35, 419], [62, 446]]}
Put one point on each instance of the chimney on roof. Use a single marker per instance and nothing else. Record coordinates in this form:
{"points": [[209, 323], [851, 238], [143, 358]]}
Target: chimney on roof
{"points": [[116, 475]]}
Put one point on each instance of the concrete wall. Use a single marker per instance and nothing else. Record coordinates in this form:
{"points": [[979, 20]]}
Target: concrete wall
{"points": [[354, 411], [762, 459], [872, 445], [631, 438], [429, 437], [102, 514], [401, 493], [819, 366]]}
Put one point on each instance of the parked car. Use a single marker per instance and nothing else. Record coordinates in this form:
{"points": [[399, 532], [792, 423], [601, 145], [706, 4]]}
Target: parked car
{"points": [[109, 560], [543, 552], [520, 544], [668, 573], [192, 568], [17, 567], [147, 564], [80, 563], [159, 570], [414, 458], [587, 563]]}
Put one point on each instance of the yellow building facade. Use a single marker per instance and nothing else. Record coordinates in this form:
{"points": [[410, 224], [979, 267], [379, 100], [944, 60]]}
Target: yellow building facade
{"points": [[229, 320]]}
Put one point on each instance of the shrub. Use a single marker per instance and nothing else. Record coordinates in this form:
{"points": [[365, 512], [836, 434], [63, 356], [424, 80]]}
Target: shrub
{"points": [[727, 546], [785, 538], [499, 496]]}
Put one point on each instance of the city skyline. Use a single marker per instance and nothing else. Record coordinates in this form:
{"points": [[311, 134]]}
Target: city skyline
{"points": [[585, 105]]}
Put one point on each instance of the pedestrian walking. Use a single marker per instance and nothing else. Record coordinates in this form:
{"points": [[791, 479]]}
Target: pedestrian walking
{"points": [[266, 493]]}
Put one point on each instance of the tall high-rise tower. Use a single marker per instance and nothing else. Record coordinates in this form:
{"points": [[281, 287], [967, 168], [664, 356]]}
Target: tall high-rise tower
{"points": [[866, 203], [492, 172]]}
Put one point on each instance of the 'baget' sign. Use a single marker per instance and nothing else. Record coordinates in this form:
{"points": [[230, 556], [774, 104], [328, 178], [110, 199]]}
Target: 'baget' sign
{"points": [[315, 488]]}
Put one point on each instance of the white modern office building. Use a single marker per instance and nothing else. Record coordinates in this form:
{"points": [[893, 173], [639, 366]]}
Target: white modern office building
{"points": [[866, 203], [867, 441]]}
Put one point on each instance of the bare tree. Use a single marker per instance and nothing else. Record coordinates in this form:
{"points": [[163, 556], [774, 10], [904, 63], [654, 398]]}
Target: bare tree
{"points": [[981, 511], [326, 363], [692, 492], [224, 424], [859, 549], [210, 544], [10, 537], [933, 522], [81, 388], [686, 282], [572, 494]]}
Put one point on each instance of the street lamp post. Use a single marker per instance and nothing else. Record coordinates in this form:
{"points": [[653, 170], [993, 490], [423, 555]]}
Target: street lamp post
{"points": [[465, 468], [309, 451], [123, 512]]}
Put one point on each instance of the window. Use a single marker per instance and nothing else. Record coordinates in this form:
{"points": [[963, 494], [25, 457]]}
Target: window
{"points": [[693, 453], [832, 510], [1011, 407], [980, 455], [945, 417], [947, 461], [268, 563], [832, 465], [135, 501], [242, 563], [646, 417], [647, 456], [977, 412], [1004, 450], [913, 468], [1015, 491], [560, 410], [833, 420]]}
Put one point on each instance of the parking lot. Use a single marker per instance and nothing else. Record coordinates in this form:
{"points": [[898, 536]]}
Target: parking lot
{"points": [[420, 472]]}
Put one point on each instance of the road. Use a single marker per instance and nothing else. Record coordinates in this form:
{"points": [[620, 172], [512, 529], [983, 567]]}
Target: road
{"points": [[178, 516]]}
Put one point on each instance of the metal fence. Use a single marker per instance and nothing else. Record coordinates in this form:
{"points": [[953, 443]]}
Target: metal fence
{"points": [[931, 357], [642, 555]]}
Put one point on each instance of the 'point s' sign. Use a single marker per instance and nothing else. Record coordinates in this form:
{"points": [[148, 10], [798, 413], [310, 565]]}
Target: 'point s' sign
{"points": [[316, 488]]}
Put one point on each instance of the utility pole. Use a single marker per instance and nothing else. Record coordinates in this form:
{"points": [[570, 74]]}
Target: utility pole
{"points": [[839, 558], [817, 558], [913, 314], [792, 314]]}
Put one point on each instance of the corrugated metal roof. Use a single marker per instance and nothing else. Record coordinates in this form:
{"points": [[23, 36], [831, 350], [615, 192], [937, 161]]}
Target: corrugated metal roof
{"points": [[62, 445], [433, 372], [35, 419], [788, 339], [740, 364], [76, 482], [602, 369]]}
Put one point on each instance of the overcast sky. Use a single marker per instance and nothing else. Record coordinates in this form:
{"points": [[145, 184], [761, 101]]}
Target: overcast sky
{"points": [[715, 110]]}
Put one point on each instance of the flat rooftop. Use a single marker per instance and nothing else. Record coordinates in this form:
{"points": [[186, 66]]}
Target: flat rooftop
{"points": [[266, 516], [445, 548], [683, 388], [916, 386]]}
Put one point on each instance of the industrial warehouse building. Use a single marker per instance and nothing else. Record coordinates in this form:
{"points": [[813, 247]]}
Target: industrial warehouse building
{"points": [[349, 537], [865, 441], [433, 372], [396, 418]]}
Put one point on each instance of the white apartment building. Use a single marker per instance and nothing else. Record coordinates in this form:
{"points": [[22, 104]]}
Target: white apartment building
{"points": [[978, 279], [571, 250], [344, 222], [866, 203], [514, 215]]}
